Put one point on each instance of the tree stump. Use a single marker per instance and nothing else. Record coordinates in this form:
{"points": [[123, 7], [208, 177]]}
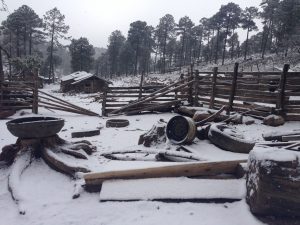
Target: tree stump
{"points": [[273, 182], [50, 149], [156, 135]]}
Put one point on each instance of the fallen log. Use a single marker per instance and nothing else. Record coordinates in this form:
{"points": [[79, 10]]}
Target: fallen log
{"points": [[94, 181]]}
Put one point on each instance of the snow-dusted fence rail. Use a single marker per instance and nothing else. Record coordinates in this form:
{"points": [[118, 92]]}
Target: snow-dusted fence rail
{"points": [[17, 95], [118, 97], [260, 93], [263, 93]]}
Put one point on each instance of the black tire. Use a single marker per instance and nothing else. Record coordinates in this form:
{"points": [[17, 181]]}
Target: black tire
{"points": [[117, 123], [218, 136]]}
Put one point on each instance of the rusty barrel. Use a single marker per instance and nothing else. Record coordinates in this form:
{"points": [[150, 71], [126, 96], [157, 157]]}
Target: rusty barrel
{"points": [[181, 130]]}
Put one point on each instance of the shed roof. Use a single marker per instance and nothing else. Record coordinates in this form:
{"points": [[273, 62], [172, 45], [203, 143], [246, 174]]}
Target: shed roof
{"points": [[79, 76]]}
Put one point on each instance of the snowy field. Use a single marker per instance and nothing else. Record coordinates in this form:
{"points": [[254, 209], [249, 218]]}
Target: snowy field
{"points": [[48, 194]]}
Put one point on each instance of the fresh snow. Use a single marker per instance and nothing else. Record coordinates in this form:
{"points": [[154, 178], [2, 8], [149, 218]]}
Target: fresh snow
{"points": [[48, 194], [172, 188]]}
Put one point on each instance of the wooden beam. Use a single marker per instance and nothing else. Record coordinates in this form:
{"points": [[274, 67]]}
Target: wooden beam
{"points": [[94, 180]]}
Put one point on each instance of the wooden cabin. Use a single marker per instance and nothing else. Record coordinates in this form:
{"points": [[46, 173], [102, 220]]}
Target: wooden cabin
{"points": [[83, 82]]}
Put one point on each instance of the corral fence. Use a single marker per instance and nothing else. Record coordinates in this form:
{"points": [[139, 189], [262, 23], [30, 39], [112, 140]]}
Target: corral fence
{"points": [[260, 93]]}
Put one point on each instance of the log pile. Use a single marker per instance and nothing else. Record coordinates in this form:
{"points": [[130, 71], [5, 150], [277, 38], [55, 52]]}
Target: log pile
{"points": [[273, 182]]}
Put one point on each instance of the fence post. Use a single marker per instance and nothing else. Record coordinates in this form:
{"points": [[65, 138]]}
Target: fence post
{"points": [[104, 101], [213, 88], [35, 104], [281, 92], [196, 88], [233, 87], [190, 86]]}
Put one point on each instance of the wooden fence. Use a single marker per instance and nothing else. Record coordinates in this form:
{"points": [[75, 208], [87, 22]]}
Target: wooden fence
{"points": [[263, 93], [16, 95], [117, 97]]}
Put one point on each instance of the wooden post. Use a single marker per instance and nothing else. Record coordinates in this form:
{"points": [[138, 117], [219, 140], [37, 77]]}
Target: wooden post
{"points": [[141, 85], [233, 87], [190, 86], [104, 101], [213, 88], [281, 92], [196, 88], [35, 104]]}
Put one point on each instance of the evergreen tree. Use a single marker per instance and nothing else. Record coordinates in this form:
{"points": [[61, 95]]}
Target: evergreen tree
{"points": [[82, 53], [140, 38], [231, 18], [247, 20], [56, 29], [184, 30], [165, 29], [116, 41]]}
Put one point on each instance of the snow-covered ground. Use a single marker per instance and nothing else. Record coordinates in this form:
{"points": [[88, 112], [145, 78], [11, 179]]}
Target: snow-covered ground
{"points": [[48, 194]]}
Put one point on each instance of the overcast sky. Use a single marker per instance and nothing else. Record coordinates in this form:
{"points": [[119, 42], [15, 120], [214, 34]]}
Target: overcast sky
{"points": [[96, 19]]}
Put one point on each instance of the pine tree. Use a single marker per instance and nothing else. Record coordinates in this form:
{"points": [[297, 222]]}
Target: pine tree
{"points": [[116, 41], [165, 29], [82, 54], [231, 14], [140, 38], [247, 20], [56, 29]]}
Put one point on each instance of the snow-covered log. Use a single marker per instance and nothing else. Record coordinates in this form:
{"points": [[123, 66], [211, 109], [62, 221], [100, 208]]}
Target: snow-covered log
{"points": [[22, 161], [273, 182]]}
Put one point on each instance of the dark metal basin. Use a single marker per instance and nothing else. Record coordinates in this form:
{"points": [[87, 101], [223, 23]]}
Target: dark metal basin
{"points": [[35, 127]]}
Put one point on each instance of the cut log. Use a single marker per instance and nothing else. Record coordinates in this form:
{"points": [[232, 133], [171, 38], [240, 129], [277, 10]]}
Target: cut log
{"points": [[273, 182], [94, 180], [86, 133]]}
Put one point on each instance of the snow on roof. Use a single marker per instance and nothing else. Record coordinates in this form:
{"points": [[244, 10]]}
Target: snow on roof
{"points": [[79, 76], [76, 76]]}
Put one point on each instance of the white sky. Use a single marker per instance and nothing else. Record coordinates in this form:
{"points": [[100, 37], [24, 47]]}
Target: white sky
{"points": [[96, 19]]}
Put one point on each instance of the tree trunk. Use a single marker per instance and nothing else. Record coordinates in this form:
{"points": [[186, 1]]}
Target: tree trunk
{"points": [[136, 58], [10, 53], [246, 46], [1, 68], [30, 43], [164, 53], [51, 70], [211, 48], [200, 48], [182, 50], [225, 42], [217, 47], [24, 41], [18, 42]]}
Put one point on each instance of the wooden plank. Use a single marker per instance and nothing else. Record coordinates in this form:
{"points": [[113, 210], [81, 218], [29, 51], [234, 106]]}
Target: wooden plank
{"points": [[94, 180]]}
